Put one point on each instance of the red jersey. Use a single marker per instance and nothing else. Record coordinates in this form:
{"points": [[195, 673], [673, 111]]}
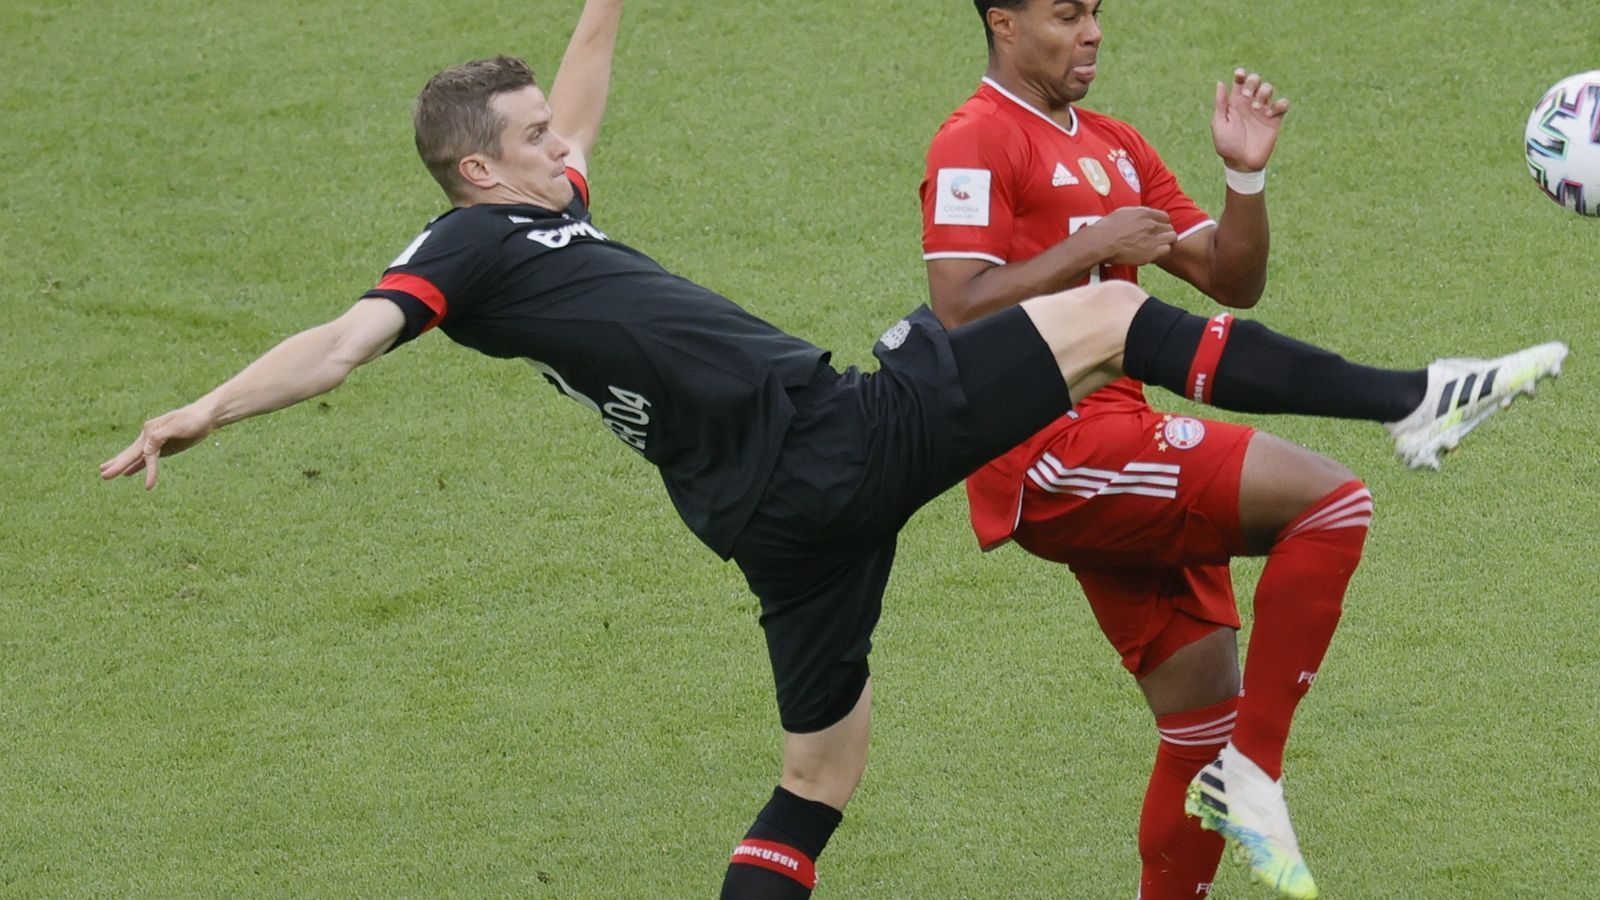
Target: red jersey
{"points": [[1005, 182]]}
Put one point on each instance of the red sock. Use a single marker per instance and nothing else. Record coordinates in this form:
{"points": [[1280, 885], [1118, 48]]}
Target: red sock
{"points": [[1297, 606], [1180, 858]]}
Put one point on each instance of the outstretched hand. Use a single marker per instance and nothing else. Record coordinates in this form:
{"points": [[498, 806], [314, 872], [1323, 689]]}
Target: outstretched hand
{"points": [[1245, 121], [164, 435]]}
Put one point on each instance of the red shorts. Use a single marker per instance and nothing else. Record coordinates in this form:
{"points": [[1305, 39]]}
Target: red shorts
{"points": [[1144, 508]]}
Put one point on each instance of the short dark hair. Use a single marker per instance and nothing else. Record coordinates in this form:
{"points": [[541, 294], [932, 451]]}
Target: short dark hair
{"points": [[983, 13], [453, 118]]}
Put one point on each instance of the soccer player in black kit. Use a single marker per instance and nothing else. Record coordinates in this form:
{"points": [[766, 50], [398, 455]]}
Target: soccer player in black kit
{"points": [[801, 474]]}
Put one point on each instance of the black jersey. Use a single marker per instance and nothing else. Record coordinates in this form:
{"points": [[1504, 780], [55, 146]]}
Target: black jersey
{"points": [[682, 375]]}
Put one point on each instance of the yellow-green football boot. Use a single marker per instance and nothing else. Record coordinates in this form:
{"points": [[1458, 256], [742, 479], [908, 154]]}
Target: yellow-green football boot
{"points": [[1462, 393], [1234, 798]]}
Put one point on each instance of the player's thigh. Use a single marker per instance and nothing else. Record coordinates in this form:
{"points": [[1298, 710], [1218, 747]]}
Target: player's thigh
{"points": [[1279, 481], [941, 405], [1201, 672], [1087, 329], [1151, 614], [1138, 490], [818, 610]]}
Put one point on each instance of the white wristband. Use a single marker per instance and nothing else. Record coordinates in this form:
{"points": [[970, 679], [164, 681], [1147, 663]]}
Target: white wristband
{"points": [[1245, 182]]}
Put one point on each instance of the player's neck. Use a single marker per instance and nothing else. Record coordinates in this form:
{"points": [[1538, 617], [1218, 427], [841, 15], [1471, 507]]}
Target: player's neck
{"points": [[502, 195], [1032, 93]]}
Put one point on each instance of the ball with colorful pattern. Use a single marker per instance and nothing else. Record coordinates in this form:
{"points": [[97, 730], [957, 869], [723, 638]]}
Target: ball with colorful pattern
{"points": [[1563, 143]]}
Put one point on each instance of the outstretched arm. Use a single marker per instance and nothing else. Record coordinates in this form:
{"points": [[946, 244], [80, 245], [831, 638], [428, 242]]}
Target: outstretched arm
{"points": [[1229, 263], [578, 94], [312, 362]]}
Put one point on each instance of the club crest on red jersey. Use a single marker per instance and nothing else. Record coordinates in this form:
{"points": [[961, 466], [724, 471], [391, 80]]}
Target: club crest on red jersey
{"points": [[1119, 158], [1180, 433]]}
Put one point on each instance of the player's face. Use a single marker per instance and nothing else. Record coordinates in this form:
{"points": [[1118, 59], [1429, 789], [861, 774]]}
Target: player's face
{"points": [[532, 164], [1055, 45]]}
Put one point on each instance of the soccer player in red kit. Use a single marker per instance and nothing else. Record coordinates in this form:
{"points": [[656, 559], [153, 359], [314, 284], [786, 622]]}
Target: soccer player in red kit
{"points": [[1026, 193]]}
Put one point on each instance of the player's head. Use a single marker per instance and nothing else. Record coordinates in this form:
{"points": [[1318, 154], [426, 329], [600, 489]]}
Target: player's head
{"points": [[1052, 44], [483, 130]]}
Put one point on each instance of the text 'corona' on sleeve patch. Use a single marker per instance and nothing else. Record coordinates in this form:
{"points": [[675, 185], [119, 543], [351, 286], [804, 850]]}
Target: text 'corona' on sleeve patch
{"points": [[963, 197]]}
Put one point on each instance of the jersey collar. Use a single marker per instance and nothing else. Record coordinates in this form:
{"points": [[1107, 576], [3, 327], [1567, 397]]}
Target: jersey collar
{"points": [[524, 212], [1070, 132]]}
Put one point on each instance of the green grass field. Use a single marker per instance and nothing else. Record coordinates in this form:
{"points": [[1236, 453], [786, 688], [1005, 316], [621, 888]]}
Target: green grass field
{"points": [[440, 635]]}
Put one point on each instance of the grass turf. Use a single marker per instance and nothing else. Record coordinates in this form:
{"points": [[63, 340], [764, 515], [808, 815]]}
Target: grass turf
{"points": [[438, 635]]}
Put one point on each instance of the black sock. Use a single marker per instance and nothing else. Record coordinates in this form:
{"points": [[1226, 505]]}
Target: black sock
{"points": [[776, 859], [1262, 371]]}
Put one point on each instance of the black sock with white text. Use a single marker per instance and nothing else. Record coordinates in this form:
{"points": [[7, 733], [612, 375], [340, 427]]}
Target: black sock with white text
{"points": [[777, 858]]}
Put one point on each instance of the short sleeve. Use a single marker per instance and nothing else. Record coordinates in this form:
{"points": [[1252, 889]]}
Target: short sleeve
{"points": [[1161, 189], [966, 195], [440, 275]]}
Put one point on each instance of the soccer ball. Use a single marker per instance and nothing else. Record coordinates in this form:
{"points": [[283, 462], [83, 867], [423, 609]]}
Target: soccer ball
{"points": [[1563, 143]]}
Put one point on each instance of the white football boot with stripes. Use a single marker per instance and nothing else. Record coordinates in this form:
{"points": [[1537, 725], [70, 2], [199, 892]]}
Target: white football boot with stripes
{"points": [[1462, 393], [1235, 798]]}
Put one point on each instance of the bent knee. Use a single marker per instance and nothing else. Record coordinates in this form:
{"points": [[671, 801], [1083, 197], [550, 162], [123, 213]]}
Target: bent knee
{"points": [[1086, 329], [1107, 301], [1297, 478], [1283, 483], [1346, 509], [1324, 476]]}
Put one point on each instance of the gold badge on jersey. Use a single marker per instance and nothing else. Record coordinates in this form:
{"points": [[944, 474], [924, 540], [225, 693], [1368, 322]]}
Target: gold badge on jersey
{"points": [[1096, 173]]}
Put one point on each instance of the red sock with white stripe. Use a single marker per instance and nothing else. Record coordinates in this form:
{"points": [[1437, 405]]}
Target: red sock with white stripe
{"points": [[777, 858], [1297, 606], [1180, 857]]}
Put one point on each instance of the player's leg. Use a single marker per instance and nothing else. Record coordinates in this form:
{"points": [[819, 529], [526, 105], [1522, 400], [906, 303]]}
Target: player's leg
{"points": [[821, 769], [863, 452], [1310, 514], [1194, 696], [1120, 498], [1102, 331], [1187, 666], [777, 858], [819, 604], [826, 766]]}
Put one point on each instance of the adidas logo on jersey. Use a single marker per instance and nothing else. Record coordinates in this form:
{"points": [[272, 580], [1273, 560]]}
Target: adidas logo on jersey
{"points": [[1063, 177]]}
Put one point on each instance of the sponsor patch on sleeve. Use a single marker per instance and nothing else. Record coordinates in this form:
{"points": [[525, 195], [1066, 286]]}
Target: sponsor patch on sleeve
{"points": [[963, 197]]}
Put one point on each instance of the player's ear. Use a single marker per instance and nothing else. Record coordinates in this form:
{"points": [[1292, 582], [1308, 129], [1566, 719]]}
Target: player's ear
{"points": [[476, 171], [1002, 22]]}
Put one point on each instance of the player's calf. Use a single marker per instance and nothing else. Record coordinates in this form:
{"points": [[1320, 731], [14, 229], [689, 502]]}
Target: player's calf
{"points": [[777, 858], [1298, 603], [1179, 857], [1244, 366]]}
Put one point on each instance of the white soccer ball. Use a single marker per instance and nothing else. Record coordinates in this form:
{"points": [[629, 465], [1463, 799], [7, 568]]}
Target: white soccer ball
{"points": [[1563, 143]]}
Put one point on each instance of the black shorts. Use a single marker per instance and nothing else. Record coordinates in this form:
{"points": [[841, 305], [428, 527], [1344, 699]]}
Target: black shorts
{"points": [[864, 452]]}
